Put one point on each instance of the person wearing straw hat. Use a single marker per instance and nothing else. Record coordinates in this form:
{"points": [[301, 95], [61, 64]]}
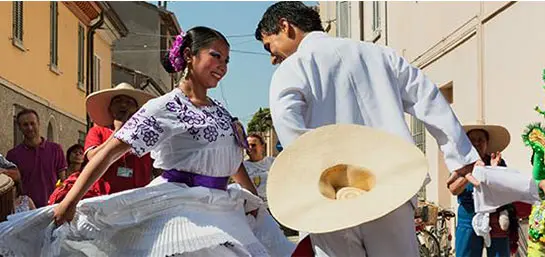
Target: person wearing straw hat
{"points": [[490, 141], [323, 80], [110, 109]]}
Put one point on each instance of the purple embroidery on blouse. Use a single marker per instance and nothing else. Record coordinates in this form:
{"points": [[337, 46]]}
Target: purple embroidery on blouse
{"points": [[211, 133]]}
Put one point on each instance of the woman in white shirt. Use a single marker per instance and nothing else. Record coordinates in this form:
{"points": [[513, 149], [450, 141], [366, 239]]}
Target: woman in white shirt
{"points": [[258, 164], [189, 210]]}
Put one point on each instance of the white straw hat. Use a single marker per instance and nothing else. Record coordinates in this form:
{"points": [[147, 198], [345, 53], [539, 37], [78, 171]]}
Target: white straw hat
{"points": [[340, 176]]}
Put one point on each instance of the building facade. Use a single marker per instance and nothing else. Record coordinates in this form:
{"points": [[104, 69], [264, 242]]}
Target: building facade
{"points": [[44, 65], [137, 57]]}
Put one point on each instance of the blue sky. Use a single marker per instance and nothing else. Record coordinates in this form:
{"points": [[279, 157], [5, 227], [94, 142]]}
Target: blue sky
{"points": [[246, 86]]}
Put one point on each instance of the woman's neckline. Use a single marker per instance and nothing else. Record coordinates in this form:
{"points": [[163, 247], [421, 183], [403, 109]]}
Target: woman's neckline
{"points": [[211, 105]]}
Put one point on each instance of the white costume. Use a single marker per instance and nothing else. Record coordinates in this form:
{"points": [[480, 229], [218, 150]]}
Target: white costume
{"points": [[331, 80], [164, 218], [258, 174], [499, 186]]}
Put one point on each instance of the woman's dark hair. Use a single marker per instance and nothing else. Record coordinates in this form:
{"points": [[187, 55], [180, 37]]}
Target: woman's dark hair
{"points": [[303, 17], [71, 149], [259, 137], [196, 38]]}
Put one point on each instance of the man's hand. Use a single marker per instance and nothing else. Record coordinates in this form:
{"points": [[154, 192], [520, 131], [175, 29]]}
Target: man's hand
{"points": [[458, 180]]}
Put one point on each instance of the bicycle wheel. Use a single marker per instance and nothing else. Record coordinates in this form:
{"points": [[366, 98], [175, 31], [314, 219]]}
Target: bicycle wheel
{"points": [[424, 252], [428, 244]]}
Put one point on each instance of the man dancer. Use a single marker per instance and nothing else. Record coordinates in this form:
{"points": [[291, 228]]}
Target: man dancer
{"points": [[323, 80]]}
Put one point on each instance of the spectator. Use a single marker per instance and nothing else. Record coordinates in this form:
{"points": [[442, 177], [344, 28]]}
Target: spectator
{"points": [[110, 109], [74, 157], [40, 162]]}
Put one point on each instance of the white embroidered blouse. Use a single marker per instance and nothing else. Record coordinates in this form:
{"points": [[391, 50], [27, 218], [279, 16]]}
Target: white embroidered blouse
{"points": [[181, 136]]}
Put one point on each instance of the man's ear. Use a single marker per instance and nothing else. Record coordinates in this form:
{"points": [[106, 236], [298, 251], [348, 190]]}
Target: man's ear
{"points": [[286, 28], [284, 25]]}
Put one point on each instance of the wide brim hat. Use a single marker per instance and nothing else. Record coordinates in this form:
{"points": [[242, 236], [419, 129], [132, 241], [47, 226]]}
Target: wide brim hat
{"points": [[97, 103], [339, 176], [499, 137], [6, 184]]}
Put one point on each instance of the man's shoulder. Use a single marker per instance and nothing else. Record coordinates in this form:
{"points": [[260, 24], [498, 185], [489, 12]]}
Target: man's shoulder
{"points": [[329, 46], [100, 130], [52, 145], [14, 150]]}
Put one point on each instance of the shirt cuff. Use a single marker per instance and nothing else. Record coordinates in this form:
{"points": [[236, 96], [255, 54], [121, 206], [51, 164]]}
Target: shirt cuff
{"points": [[454, 164]]}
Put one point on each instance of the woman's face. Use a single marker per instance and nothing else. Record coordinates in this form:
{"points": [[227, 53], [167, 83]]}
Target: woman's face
{"points": [[209, 66], [479, 140], [255, 148], [76, 156]]}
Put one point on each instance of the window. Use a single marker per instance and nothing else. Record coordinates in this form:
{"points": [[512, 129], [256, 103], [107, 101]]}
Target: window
{"points": [[50, 135], [343, 19], [447, 92], [418, 132], [54, 40], [96, 73], [18, 23], [376, 16], [81, 53]]}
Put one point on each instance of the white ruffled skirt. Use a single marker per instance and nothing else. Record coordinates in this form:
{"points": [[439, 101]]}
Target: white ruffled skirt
{"points": [[162, 219]]}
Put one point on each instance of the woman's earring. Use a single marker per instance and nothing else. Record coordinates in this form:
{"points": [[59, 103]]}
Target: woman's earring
{"points": [[185, 72]]}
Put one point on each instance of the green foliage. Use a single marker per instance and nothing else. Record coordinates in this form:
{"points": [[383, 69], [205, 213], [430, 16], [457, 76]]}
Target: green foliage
{"points": [[261, 121]]}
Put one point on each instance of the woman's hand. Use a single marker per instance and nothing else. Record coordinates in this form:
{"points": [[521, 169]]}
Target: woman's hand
{"points": [[96, 167], [64, 212], [495, 159]]}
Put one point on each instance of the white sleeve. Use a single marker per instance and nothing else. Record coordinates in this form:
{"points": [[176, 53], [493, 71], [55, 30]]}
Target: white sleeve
{"points": [[154, 123], [288, 104], [422, 99]]}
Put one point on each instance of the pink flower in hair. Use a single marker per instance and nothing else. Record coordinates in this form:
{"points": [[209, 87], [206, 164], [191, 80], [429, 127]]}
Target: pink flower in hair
{"points": [[175, 54]]}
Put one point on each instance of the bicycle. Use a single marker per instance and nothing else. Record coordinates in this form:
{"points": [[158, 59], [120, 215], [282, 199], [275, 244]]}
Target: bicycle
{"points": [[428, 245], [442, 232], [435, 239]]}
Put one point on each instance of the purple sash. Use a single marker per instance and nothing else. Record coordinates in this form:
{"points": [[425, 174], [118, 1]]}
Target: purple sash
{"points": [[194, 180]]}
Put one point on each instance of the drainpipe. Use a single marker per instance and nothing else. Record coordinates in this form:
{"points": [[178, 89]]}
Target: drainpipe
{"points": [[480, 65], [386, 23], [362, 37], [90, 69]]}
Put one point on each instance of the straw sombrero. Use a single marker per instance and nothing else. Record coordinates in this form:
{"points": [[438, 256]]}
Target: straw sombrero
{"points": [[499, 136], [6, 196], [98, 102], [340, 176]]}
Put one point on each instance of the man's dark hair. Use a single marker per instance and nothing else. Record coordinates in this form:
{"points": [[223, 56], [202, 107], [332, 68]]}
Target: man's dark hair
{"points": [[25, 112], [303, 17]]}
